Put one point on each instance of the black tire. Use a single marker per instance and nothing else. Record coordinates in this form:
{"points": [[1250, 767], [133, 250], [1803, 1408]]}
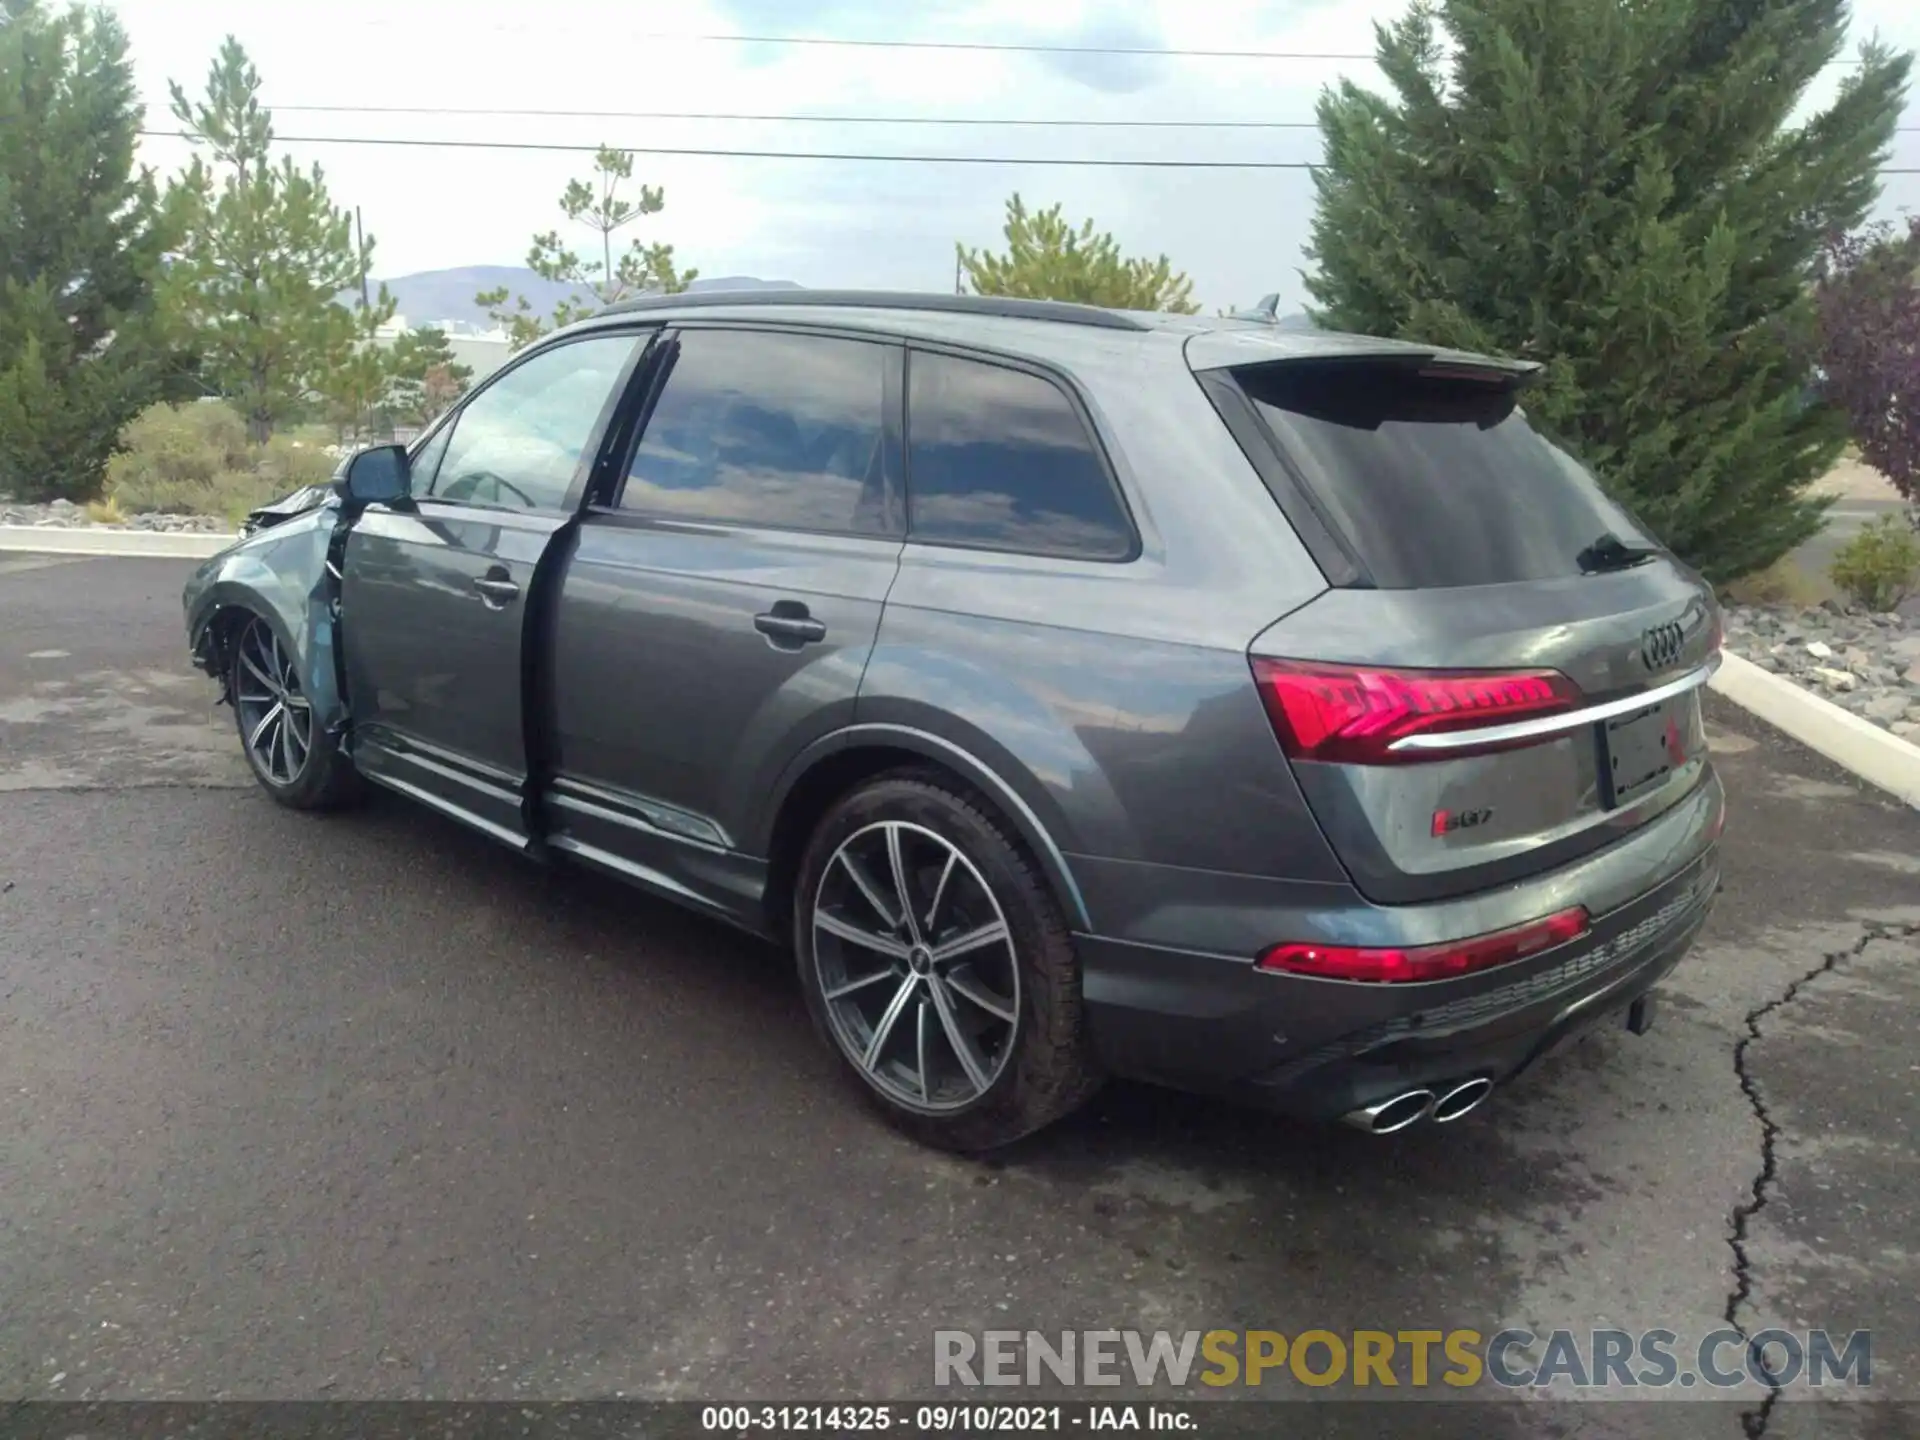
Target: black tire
{"points": [[1045, 1067], [261, 674]]}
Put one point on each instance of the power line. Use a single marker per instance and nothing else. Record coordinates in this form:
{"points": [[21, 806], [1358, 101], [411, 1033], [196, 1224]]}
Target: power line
{"points": [[505, 112], [1048, 122], [983, 46], [987, 46], [1095, 162], [1092, 162]]}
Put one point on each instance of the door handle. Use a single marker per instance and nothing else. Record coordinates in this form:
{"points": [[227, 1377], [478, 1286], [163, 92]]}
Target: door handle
{"points": [[496, 591], [789, 621]]}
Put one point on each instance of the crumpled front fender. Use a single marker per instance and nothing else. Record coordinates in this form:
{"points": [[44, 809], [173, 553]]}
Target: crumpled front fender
{"points": [[288, 574]]}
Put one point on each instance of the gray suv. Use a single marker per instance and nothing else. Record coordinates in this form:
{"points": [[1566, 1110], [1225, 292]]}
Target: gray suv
{"points": [[1078, 693]]}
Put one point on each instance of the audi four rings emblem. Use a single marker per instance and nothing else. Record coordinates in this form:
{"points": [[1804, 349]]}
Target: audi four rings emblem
{"points": [[1660, 646]]}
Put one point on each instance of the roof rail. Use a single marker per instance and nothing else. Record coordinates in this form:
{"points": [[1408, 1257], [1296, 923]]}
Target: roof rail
{"points": [[1005, 307]]}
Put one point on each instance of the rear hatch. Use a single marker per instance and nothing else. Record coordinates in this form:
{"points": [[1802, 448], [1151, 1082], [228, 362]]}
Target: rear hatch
{"points": [[1506, 672]]}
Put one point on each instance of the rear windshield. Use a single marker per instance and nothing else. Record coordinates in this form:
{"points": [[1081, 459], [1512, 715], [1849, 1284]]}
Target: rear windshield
{"points": [[1435, 481]]}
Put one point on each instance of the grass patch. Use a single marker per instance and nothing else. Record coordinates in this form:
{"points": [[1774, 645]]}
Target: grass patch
{"points": [[196, 460], [105, 512]]}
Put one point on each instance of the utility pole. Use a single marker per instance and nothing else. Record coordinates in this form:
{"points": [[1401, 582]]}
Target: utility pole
{"points": [[366, 304], [360, 237]]}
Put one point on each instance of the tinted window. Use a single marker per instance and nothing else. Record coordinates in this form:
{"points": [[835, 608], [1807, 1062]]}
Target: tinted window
{"points": [[1000, 458], [1435, 481], [519, 441], [767, 429]]}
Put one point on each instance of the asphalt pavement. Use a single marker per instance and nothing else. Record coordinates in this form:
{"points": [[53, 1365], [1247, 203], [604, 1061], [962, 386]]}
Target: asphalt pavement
{"points": [[366, 1107]]}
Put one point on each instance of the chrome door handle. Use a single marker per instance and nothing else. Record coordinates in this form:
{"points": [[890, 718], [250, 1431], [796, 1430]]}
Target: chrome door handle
{"points": [[497, 593]]}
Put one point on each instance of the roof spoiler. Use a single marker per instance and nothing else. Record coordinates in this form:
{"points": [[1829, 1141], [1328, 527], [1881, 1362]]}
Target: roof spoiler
{"points": [[1247, 349]]}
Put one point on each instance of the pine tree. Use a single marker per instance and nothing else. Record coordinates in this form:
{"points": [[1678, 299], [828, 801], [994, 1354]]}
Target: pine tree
{"points": [[1047, 259], [425, 378], [1616, 190], [263, 257], [80, 244], [640, 270]]}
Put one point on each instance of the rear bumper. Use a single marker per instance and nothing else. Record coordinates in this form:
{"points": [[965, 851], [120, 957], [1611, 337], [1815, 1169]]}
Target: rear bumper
{"points": [[1319, 1048]]}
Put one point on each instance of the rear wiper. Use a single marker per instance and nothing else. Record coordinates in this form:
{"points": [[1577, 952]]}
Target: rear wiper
{"points": [[1610, 552]]}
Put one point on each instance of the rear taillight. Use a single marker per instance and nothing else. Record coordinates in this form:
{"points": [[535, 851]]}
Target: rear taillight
{"points": [[1353, 714], [1393, 965]]}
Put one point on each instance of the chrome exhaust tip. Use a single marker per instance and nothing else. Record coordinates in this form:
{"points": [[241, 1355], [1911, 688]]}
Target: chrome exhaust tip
{"points": [[1387, 1116], [1462, 1099]]}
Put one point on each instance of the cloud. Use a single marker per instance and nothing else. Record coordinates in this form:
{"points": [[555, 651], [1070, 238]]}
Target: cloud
{"points": [[1134, 29]]}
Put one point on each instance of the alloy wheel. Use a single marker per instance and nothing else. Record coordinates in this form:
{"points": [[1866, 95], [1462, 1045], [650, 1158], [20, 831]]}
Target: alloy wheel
{"points": [[917, 967], [276, 722]]}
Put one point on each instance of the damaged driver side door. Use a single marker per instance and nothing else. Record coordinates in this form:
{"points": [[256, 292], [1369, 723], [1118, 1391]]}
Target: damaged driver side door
{"points": [[437, 589]]}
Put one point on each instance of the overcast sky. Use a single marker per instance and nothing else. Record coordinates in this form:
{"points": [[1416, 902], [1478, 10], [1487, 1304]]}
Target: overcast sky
{"points": [[1238, 233]]}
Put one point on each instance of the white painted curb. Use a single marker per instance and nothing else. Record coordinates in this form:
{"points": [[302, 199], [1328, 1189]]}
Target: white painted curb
{"points": [[157, 544], [1877, 756]]}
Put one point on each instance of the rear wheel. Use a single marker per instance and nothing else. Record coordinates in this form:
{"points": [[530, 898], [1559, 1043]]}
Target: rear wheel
{"points": [[933, 956], [295, 761]]}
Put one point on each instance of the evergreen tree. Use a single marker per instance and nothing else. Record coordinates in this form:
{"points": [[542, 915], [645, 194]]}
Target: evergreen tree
{"points": [[425, 378], [1615, 189], [80, 244], [263, 258], [1047, 259]]}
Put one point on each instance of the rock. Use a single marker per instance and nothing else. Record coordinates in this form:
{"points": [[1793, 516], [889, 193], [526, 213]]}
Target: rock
{"points": [[1834, 679], [1856, 658], [1907, 730], [1885, 709], [1906, 648], [1819, 649]]}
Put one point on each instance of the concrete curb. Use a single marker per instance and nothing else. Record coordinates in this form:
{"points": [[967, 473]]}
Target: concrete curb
{"points": [[1875, 755], [156, 544]]}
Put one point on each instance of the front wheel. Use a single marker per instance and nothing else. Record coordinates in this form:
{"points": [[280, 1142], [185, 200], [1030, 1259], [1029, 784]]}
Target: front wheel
{"points": [[296, 761], [934, 957]]}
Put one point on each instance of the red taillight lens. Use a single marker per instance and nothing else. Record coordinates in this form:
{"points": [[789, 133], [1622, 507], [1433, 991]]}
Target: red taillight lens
{"points": [[1353, 714], [1428, 962]]}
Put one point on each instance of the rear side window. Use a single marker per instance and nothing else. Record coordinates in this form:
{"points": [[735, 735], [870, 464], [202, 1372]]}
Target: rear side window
{"points": [[999, 459], [763, 428], [1435, 481]]}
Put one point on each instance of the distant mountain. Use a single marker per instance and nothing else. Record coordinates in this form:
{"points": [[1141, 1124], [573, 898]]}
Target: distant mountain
{"points": [[442, 295]]}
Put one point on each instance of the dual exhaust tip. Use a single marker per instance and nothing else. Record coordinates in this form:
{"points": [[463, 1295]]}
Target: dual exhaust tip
{"points": [[1410, 1107]]}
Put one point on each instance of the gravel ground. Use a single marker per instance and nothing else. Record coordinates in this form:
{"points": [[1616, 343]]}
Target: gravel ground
{"points": [[65, 515], [1866, 663]]}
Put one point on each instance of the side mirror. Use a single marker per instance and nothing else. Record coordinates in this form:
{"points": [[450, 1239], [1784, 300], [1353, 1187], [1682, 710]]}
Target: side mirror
{"points": [[379, 476]]}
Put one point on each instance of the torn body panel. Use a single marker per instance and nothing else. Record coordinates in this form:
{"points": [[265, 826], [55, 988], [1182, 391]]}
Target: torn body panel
{"points": [[290, 575]]}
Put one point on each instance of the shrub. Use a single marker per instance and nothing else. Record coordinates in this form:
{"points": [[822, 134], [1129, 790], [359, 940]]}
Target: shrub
{"points": [[195, 459], [1781, 583], [171, 445], [1879, 567], [291, 463]]}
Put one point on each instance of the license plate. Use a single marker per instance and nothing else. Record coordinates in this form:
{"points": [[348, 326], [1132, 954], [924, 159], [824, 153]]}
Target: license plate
{"points": [[1642, 751]]}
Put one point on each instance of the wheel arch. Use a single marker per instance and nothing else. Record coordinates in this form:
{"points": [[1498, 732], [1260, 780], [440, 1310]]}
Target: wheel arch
{"points": [[226, 605], [831, 767]]}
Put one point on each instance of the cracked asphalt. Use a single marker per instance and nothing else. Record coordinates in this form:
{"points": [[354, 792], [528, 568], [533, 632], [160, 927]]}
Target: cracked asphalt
{"points": [[365, 1107]]}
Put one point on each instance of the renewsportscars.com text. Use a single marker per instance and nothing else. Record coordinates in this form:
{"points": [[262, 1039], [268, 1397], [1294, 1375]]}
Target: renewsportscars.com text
{"points": [[1590, 1359]]}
